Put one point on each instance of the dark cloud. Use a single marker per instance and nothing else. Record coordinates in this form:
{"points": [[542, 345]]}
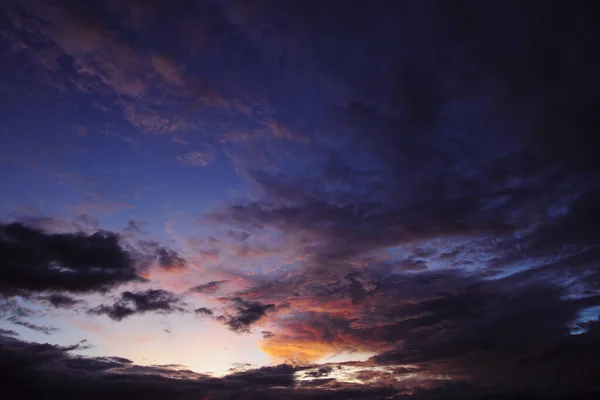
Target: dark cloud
{"points": [[33, 260], [59, 300], [434, 215], [32, 370], [321, 372], [244, 314], [445, 322], [203, 311], [51, 267], [431, 171], [208, 288], [280, 375], [267, 334], [437, 149], [46, 330], [96, 364], [169, 259], [8, 332], [164, 257], [132, 303]]}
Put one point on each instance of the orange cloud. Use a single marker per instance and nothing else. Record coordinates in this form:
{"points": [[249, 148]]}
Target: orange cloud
{"points": [[282, 349], [337, 307], [310, 337]]}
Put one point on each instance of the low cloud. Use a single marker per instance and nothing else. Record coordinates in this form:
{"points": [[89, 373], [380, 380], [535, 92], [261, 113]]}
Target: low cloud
{"points": [[203, 311], [244, 314], [46, 330], [155, 254], [58, 300], [134, 303], [32, 370], [33, 260], [208, 288]]}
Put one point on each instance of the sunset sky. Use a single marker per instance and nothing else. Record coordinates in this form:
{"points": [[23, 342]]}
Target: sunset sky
{"points": [[292, 199]]}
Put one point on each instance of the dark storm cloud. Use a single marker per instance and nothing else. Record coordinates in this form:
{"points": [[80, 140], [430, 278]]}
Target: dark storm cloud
{"points": [[32, 260], [132, 303]]}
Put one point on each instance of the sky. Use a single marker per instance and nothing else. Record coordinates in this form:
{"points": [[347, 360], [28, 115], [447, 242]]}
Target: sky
{"points": [[267, 199]]}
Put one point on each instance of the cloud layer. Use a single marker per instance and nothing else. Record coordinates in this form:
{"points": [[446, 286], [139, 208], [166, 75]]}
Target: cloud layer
{"points": [[419, 187]]}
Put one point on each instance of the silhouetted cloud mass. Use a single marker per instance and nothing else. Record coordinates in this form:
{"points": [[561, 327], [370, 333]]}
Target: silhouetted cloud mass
{"points": [[33, 260], [59, 300], [131, 303], [244, 314]]}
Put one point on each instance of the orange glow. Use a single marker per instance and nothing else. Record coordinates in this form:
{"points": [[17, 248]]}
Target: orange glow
{"points": [[337, 307], [283, 350], [305, 343]]}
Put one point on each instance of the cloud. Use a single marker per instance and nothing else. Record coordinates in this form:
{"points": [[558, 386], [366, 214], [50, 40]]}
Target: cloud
{"points": [[132, 303], [97, 363], [58, 300], [280, 375], [431, 202], [85, 54], [208, 288], [161, 256], [8, 332], [33, 260], [197, 158], [46, 330], [267, 334], [446, 322], [204, 311], [31, 370], [244, 314], [431, 212]]}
